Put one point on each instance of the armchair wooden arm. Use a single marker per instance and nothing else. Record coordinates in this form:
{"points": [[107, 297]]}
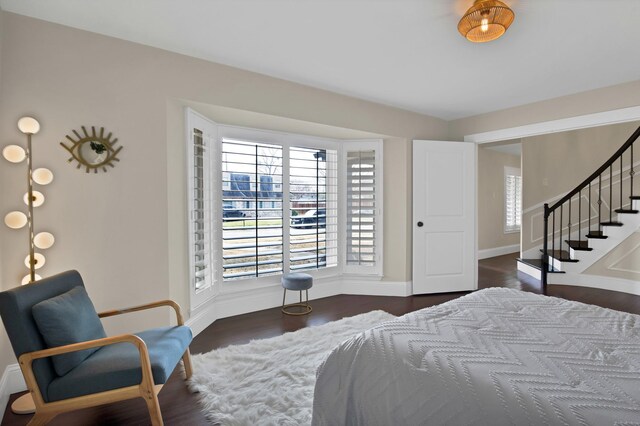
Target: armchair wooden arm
{"points": [[146, 306], [145, 389]]}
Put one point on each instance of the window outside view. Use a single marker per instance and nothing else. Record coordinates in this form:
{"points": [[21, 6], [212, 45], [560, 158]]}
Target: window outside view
{"points": [[253, 211]]}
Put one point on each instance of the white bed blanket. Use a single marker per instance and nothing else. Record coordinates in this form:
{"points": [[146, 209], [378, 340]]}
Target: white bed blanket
{"points": [[494, 357]]}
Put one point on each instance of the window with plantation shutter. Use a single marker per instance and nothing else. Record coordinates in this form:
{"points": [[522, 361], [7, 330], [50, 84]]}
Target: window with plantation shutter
{"points": [[313, 198], [513, 199], [201, 140], [252, 238], [363, 207]]}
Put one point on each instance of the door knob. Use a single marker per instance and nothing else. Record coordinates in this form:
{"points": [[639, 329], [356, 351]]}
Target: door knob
{"points": [[420, 224]]}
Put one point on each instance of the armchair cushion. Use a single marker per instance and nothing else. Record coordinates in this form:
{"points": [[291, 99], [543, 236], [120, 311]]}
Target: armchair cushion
{"points": [[66, 319], [118, 365]]}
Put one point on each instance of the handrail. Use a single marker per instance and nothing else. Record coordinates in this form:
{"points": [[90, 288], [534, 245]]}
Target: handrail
{"points": [[548, 211], [595, 174]]}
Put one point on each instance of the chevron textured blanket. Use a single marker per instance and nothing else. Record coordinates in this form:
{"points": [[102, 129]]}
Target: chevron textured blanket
{"points": [[494, 357]]}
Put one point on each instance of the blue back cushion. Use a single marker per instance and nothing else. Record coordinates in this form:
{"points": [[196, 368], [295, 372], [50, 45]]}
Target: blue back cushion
{"points": [[15, 310], [66, 319]]}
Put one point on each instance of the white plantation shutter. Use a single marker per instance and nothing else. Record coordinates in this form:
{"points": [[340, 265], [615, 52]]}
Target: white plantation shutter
{"points": [[313, 196], [363, 164], [513, 199], [201, 140]]}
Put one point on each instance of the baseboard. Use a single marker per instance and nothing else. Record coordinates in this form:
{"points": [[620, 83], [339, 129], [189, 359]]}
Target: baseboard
{"points": [[498, 251], [376, 288], [596, 281], [10, 382], [231, 304]]}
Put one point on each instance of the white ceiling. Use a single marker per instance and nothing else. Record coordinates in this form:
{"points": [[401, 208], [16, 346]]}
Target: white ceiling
{"points": [[404, 53]]}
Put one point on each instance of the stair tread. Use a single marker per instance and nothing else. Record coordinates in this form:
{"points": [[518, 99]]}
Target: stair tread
{"points": [[561, 255], [579, 245], [635, 197], [612, 223], [625, 211], [537, 264], [597, 235]]}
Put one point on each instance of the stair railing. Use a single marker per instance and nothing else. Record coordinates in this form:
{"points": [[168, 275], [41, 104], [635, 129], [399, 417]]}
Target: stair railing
{"points": [[595, 178]]}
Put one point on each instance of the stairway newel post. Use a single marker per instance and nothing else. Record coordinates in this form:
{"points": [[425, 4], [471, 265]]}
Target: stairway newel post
{"points": [[545, 255]]}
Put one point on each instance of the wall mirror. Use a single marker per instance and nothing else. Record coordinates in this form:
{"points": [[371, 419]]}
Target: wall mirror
{"points": [[93, 150]]}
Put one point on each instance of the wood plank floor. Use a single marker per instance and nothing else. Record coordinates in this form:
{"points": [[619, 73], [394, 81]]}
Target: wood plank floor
{"points": [[180, 407]]}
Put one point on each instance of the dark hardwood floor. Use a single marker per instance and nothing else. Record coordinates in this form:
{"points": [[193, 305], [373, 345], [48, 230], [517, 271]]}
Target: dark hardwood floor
{"points": [[180, 407]]}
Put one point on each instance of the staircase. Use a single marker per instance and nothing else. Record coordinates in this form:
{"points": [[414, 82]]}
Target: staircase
{"points": [[589, 222]]}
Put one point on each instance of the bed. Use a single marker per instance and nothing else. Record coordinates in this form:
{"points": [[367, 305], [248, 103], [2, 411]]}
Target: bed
{"points": [[494, 357]]}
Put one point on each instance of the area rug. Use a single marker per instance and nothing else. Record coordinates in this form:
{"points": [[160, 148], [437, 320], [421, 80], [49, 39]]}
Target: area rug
{"points": [[271, 381]]}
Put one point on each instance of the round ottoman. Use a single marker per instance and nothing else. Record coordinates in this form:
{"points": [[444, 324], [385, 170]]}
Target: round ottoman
{"points": [[296, 281]]}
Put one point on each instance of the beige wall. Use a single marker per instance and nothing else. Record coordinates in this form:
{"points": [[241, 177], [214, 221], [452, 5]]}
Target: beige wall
{"points": [[125, 230], [115, 227], [593, 101], [491, 201], [553, 165]]}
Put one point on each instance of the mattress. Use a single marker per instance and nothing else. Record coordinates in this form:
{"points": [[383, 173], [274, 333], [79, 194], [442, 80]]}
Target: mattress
{"points": [[494, 357]]}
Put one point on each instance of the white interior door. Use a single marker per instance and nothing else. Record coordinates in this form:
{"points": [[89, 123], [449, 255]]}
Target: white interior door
{"points": [[444, 217]]}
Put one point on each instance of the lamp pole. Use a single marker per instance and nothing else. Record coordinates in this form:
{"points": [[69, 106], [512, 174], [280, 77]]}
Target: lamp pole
{"points": [[32, 260]]}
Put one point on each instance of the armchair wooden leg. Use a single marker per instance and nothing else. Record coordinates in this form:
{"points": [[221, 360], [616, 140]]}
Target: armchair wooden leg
{"points": [[154, 410], [186, 362]]}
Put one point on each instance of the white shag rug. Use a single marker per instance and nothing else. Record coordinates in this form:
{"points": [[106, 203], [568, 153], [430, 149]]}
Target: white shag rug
{"points": [[271, 381]]}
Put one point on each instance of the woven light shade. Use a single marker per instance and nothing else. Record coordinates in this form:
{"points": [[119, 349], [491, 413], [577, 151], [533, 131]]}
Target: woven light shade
{"points": [[486, 20]]}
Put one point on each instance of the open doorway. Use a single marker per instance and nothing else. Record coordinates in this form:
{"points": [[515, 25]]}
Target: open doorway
{"points": [[499, 198]]}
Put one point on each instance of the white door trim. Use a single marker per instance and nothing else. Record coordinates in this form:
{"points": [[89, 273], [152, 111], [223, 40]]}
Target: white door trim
{"points": [[604, 118]]}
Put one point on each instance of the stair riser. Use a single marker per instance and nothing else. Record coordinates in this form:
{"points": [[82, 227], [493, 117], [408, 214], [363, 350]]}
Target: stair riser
{"points": [[530, 270], [560, 266]]}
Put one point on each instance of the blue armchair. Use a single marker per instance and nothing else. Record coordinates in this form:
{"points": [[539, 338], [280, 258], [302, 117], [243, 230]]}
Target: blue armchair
{"points": [[67, 360]]}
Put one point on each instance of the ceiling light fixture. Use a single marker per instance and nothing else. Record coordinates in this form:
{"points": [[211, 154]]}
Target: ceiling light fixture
{"points": [[486, 20]]}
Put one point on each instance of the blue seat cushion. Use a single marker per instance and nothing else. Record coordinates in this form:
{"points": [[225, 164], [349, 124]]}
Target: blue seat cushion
{"points": [[116, 366], [66, 319], [297, 281]]}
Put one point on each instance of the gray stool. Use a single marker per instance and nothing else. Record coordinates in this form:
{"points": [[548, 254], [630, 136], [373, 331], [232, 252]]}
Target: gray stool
{"points": [[297, 281]]}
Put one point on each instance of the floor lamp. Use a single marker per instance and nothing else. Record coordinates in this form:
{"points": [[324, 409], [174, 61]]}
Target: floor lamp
{"points": [[17, 219]]}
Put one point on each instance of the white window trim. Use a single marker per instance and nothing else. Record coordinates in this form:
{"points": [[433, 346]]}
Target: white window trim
{"points": [[364, 145], [510, 171]]}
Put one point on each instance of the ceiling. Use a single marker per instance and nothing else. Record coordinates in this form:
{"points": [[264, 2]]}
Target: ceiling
{"points": [[403, 53]]}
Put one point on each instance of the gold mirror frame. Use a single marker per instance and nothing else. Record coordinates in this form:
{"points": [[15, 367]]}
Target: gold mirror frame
{"points": [[96, 144]]}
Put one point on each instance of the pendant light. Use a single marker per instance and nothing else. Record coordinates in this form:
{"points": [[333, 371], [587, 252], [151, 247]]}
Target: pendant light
{"points": [[486, 20]]}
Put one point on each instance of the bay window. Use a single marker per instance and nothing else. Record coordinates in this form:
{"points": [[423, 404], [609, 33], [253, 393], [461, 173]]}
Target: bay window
{"points": [[265, 203]]}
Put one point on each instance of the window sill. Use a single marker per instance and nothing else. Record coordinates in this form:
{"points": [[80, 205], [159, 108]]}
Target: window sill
{"points": [[252, 284]]}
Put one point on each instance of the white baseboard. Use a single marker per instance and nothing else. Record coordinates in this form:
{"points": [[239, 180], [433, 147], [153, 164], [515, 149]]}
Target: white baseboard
{"points": [[10, 382], [595, 281], [231, 304], [497, 251]]}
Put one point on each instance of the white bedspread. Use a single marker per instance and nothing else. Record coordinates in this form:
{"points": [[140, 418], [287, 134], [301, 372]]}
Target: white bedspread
{"points": [[497, 356]]}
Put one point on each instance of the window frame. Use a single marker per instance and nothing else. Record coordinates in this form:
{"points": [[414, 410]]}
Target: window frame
{"points": [[286, 140], [511, 171], [377, 146]]}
